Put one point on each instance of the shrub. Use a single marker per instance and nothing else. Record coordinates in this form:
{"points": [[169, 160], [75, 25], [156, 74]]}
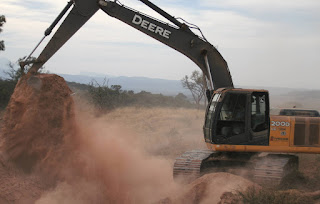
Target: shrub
{"points": [[271, 196]]}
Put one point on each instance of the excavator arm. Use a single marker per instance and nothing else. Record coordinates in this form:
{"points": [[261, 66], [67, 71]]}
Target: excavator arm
{"points": [[81, 12], [177, 36]]}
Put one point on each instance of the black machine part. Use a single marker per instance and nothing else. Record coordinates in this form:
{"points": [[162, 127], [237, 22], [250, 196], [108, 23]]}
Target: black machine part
{"points": [[177, 36], [265, 169]]}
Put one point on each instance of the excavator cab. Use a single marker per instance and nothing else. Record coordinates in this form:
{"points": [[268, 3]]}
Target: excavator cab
{"points": [[238, 116]]}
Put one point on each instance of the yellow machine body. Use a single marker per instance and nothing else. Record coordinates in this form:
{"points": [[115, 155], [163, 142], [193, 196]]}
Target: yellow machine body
{"points": [[288, 134]]}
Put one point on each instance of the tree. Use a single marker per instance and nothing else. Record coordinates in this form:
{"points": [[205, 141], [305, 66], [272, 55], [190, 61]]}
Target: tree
{"points": [[105, 98], [195, 83], [181, 97], [2, 21]]}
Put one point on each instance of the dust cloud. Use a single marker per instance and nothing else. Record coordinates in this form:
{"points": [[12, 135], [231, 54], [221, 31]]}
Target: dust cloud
{"points": [[81, 158], [118, 170], [54, 152]]}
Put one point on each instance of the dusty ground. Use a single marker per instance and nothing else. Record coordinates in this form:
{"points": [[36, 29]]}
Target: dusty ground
{"points": [[162, 132], [55, 152], [54, 149]]}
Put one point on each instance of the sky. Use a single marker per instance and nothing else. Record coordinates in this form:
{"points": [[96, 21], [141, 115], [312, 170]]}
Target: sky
{"points": [[268, 43]]}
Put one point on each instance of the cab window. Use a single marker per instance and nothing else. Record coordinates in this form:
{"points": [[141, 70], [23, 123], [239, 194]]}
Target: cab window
{"points": [[259, 114], [210, 115], [232, 115]]}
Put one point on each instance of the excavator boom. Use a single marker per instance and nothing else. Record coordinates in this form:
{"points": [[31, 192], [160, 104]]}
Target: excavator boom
{"points": [[178, 36], [81, 12]]}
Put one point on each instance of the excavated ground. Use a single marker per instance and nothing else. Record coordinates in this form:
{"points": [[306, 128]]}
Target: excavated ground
{"points": [[50, 152], [37, 121]]}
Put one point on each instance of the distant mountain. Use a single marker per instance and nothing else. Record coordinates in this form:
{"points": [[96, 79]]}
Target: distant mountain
{"points": [[163, 86], [137, 84]]}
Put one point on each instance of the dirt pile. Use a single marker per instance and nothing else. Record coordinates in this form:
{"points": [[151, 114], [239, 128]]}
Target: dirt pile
{"points": [[18, 187], [39, 115], [37, 121], [210, 188]]}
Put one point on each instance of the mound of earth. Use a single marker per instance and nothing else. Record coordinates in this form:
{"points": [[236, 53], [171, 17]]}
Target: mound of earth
{"points": [[36, 123], [39, 115], [210, 188], [18, 187]]}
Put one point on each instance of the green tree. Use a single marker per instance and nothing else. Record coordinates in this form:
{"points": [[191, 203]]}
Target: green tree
{"points": [[181, 97], [2, 21], [195, 83], [104, 97]]}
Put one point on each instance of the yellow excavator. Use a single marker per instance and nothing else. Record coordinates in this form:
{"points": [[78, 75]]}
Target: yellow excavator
{"points": [[238, 126]]}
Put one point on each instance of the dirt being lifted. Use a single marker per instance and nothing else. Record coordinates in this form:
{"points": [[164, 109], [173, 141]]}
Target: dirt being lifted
{"points": [[37, 121], [38, 118], [51, 153]]}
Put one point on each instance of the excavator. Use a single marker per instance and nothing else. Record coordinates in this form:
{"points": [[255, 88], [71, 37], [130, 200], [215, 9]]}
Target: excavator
{"points": [[240, 134]]}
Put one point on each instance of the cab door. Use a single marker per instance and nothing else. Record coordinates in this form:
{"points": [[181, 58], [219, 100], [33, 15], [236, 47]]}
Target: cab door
{"points": [[229, 121], [259, 118]]}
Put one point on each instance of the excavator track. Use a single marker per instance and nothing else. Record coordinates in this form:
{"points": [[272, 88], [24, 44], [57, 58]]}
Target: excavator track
{"points": [[269, 169], [195, 163], [274, 167], [188, 165]]}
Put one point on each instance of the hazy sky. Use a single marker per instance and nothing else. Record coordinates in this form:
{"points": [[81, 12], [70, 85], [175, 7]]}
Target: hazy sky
{"points": [[265, 42]]}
